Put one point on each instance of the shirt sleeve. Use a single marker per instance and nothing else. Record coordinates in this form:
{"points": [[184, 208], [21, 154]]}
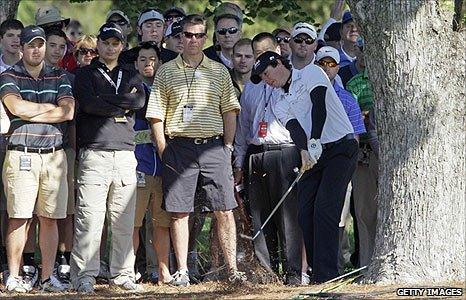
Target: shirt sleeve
{"points": [[319, 111], [242, 129], [131, 100], [158, 99], [64, 87], [8, 85], [228, 101]]}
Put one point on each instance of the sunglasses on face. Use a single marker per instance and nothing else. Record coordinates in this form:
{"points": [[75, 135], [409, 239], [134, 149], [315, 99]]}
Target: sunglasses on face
{"points": [[330, 64], [174, 18], [299, 40], [190, 35], [84, 51], [285, 39], [231, 30], [120, 22]]}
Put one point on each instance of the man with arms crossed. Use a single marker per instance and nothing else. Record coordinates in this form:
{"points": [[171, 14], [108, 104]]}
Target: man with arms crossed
{"points": [[39, 102]]}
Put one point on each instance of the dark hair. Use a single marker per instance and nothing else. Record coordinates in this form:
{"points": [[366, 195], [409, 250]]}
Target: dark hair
{"points": [[232, 17], [149, 45], [10, 24], [55, 31], [263, 36], [242, 42], [194, 19]]}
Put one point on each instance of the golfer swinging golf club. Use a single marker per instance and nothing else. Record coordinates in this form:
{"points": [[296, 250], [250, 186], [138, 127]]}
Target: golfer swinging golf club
{"points": [[320, 128]]}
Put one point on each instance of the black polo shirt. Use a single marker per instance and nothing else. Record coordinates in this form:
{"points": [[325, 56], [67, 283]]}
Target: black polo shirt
{"points": [[101, 110]]}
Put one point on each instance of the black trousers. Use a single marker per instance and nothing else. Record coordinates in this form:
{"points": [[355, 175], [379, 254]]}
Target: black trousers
{"points": [[321, 194], [270, 176]]}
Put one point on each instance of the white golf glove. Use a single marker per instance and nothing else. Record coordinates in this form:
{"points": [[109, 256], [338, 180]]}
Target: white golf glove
{"points": [[310, 157]]}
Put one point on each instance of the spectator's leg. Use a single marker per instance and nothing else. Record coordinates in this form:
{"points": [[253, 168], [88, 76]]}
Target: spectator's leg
{"points": [[48, 242]]}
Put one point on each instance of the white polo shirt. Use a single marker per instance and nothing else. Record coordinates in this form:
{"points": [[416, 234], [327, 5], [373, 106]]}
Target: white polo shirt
{"points": [[297, 104]]}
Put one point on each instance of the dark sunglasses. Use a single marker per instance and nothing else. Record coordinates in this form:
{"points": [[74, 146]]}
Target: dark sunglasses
{"points": [[325, 63], [84, 51], [173, 17], [190, 35], [285, 39], [231, 30], [299, 40], [119, 22]]}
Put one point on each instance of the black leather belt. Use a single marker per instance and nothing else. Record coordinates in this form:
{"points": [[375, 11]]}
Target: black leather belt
{"points": [[270, 147], [197, 141], [349, 136], [34, 150]]}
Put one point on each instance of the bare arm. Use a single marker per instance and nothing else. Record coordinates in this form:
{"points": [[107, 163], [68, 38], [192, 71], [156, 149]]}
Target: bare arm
{"points": [[159, 134], [26, 109], [229, 127], [63, 112]]}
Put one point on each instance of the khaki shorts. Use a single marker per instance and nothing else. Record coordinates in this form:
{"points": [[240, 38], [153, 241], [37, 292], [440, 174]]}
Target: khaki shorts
{"points": [[150, 197], [43, 190], [72, 168]]}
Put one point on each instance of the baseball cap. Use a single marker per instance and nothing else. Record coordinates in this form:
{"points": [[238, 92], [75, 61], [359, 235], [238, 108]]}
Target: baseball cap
{"points": [[174, 29], [262, 62], [111, 30], [150, 14], [119, 13], [49, 14], [347, 17], [31, 32], [228, 9], [174, 10], [328, 51], [305, 28], [332, 34], [280, 29]]}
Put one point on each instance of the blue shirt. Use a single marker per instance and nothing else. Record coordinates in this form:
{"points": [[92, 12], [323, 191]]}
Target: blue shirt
{"points": [[351, 106], [148, 160]]}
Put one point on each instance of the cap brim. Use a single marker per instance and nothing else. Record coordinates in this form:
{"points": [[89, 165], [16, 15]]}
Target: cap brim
{"points": [[36, 37]]}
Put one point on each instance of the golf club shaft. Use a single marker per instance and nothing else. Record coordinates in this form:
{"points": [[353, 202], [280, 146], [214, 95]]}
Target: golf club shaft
{"points": [[278, 204]]}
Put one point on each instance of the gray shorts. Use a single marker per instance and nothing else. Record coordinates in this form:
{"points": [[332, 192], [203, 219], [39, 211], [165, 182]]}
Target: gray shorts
{"points": [[185, 165]]}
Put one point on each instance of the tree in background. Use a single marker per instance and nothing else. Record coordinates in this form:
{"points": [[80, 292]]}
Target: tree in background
{"points": [[415, 60]]}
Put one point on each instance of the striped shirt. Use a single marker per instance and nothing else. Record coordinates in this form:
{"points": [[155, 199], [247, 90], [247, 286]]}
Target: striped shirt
{"points": [[51, 86], [351, 107], [207, 89]]}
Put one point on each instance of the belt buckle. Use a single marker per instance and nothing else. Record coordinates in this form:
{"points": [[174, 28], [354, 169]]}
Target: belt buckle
{"points": [[199, 141]]}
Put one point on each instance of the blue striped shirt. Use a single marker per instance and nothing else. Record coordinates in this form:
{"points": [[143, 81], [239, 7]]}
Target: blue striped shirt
{"points": [[351, 107]]}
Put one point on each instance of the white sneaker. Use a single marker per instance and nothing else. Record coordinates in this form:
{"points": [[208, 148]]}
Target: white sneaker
{"points": [[30, 276], [180, 279], [16, 285], [52, 285], [305, 279], [131, 286], [63, 275]]}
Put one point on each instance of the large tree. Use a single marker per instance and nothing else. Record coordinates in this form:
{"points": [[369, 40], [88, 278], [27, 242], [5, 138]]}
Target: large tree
{"points": [[415, 59], [8, 9]]}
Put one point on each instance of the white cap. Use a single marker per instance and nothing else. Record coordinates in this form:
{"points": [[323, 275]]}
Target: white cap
{"points": [[305, 28], [150, 15], [328, 51]]}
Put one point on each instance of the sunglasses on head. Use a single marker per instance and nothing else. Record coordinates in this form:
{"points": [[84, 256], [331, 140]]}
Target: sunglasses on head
{"points": [[285, 39], [84, 51], [190, 35], [299, 40], [231, 30], [326, 63]]}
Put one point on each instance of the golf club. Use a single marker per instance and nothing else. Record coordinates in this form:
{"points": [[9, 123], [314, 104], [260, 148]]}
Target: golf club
{"points": [[300, 174]]}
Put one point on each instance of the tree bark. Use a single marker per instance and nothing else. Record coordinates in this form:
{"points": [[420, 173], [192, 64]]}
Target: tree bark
{"points": [[8, 9], [416, 63]]}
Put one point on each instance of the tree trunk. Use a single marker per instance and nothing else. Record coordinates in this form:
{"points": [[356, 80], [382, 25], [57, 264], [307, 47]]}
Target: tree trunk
{"points": [[416, 63], [8, 9]]}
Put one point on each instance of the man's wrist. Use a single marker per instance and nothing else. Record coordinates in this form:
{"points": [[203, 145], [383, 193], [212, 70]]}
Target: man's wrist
{"points": [[230, 146]]}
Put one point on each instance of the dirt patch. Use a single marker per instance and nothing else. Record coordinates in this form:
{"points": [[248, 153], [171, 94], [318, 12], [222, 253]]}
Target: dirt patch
{"points": [[217, 290]]}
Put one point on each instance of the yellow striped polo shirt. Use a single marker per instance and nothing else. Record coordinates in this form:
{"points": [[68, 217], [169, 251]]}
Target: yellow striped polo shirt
{"points": [[207, 89]]}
